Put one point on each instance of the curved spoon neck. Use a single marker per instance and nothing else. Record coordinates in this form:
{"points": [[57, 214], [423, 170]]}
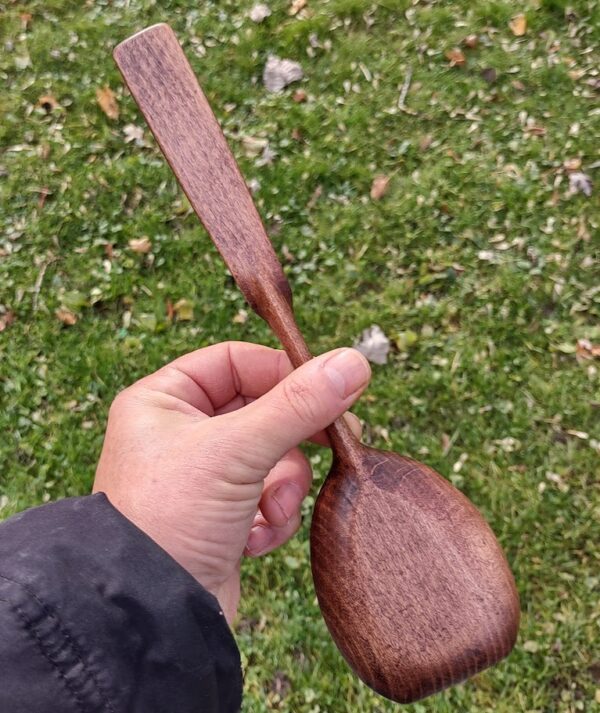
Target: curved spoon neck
{"points": [[279, 315], [344, 444]]}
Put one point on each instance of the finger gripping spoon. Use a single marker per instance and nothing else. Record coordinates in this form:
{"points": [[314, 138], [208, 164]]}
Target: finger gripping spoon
{"points": [[413, 586]]}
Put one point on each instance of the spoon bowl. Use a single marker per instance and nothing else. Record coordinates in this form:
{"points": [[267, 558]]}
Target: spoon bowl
{"points": [[411, 582]]}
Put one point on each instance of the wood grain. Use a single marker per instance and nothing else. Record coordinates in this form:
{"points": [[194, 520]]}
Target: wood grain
{"points": [[412, 583], [165, 88]]}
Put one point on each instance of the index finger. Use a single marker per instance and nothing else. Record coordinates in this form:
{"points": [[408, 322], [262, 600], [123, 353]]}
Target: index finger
{"points": [[210, 378]]}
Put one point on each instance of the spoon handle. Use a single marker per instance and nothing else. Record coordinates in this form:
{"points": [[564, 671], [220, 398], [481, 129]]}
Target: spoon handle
{"points": [[167, 92]]}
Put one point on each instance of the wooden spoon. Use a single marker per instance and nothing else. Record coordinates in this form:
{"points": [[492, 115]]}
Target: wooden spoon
{"points": [[412, 583]]}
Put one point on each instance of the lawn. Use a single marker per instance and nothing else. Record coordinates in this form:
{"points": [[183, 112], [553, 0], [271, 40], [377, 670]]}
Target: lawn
{"points": [[479, 263]]}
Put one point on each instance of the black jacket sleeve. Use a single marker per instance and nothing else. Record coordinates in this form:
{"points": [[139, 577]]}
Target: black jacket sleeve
{"points": [[96, 618]]}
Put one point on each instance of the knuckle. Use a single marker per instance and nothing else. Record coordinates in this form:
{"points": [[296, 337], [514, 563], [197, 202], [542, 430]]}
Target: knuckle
{"points": [[122, 402]]}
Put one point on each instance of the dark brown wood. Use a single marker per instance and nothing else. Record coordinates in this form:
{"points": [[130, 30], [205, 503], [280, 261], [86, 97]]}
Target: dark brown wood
{"points": [[412, 583]]}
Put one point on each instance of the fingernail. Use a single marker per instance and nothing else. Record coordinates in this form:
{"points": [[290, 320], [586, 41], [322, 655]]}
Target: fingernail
{"points": [[259, 539], [288, 497], [347, 370]]}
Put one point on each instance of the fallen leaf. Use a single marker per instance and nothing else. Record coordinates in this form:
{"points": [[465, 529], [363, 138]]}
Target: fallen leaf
{"points": [[134, 133], [572, 164], [259, 12], [147, 321], [170, 311], [66, 316], [379, 187], [489, 74], [278, 73], [44, 192], [585, 350], [518, 25], [25, 18], [184, 310], [48, 103], [487, 256], [6, 319], [405, 340], [471, 41], [580, 183], [425, 142], [456, 57], [299, 96], [594, 83], [373, 344], [531, 647], [312, 201], [266, 157], [518, 85], [535, 130], [108, 102], [253, 185], [241, 317], [582, 435], [254, 145], [141, 245], [296, 6]]}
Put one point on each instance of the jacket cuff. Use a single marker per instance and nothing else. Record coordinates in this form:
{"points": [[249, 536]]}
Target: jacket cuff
{"points": [[115, 614]]}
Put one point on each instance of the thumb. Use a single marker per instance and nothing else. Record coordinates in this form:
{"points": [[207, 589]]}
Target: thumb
{"points": [[305, 402]]}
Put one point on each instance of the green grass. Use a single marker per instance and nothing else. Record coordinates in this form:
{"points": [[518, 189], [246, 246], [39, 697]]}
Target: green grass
{"points": [[492, 365]]}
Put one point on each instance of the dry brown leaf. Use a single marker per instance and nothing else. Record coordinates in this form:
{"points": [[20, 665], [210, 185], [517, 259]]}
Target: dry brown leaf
{"points": [[170, 311], [296, 6], [535, 130], [518, 85], [26, 18], [299, 96], [66, 316], [44, 192], [312, 201], [108, 101], [254, 145], [585, 350], [48, 103], [241, 317], [141, 245], [6, 319], [471, 41], [456, 57], [379, 187], [518, 25]]}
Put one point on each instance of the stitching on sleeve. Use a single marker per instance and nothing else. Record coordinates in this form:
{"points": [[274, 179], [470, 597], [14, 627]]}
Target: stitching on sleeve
{"points": [[68, 685], [47, 611]]}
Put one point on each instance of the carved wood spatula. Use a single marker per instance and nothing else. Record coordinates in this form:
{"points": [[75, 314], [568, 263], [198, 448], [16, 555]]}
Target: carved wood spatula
{"points": [[412, 583]]}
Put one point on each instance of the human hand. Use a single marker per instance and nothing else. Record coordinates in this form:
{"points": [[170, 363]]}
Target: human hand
{"points": [[203, 454]]}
